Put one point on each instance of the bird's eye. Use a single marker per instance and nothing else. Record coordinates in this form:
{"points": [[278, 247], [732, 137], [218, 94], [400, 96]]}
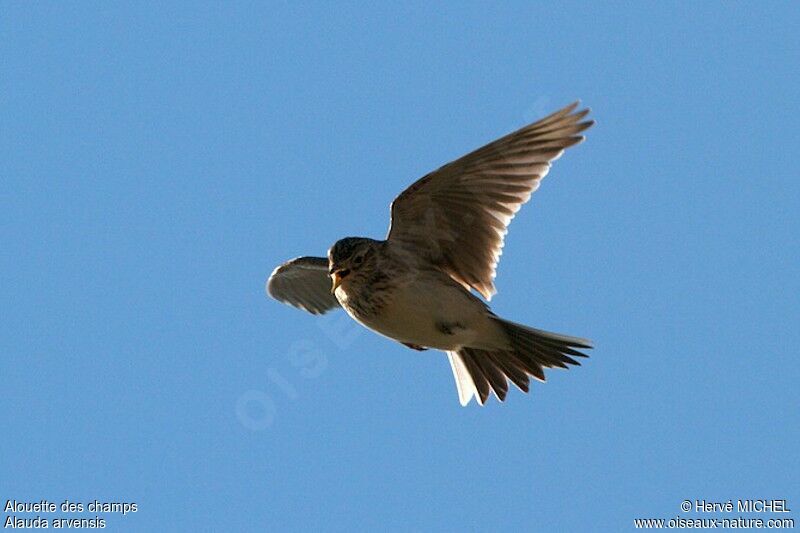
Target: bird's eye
{"points": [[358, 260]]}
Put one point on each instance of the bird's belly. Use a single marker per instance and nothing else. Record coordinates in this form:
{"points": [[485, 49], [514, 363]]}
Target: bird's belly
{"points": [[432, 315]]}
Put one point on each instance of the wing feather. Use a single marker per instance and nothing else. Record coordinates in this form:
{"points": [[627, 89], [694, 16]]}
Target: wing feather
{"points": [[304, 283], [457, 216]]}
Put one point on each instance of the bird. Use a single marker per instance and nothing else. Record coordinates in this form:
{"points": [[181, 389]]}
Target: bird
{"points": [[418, 285]]}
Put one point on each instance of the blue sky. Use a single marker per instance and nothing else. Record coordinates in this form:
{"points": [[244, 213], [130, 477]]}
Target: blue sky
{"points": [[158, 161]]}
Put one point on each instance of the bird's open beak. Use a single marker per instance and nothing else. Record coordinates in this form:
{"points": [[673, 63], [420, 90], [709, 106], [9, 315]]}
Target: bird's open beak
{"points": [[337, 280], [337, 275]]}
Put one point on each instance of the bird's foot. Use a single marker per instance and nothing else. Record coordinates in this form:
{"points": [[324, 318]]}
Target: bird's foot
{"points": [[414, 346], [448, 328]]}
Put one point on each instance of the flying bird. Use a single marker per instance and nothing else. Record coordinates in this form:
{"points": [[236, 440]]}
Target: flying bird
{"points": [[444, 241]]}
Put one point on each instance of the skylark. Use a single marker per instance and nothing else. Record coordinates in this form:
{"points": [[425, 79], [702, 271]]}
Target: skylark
{"points": [[445, 239]]}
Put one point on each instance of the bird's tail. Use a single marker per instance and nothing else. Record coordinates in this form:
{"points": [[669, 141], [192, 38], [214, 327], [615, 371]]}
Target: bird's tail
{"points": [[477, 372]]}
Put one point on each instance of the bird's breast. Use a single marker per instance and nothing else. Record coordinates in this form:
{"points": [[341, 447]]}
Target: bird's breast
{"points": [[416, 308], [365, 296]]}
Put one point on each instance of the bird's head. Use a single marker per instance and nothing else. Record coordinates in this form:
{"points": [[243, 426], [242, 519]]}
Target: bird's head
{"points": [[349, 255]]}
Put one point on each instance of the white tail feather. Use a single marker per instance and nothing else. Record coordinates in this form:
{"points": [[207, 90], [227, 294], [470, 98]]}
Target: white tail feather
{"points": [[466, 388]]}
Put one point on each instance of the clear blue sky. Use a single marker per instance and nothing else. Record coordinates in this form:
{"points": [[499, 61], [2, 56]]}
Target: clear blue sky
{"points": [[158, 162]]}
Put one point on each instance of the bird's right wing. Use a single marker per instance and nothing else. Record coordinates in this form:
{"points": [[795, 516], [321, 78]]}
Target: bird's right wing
{"points": [[304, 283]]}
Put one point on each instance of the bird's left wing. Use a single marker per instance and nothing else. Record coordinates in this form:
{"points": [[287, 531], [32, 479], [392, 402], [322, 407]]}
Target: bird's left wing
{"points": [[304, 283], [457, 217]]}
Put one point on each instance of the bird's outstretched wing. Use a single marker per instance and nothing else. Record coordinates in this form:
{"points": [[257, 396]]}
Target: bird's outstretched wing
{"points": [[457, 216], [303, 282]]}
